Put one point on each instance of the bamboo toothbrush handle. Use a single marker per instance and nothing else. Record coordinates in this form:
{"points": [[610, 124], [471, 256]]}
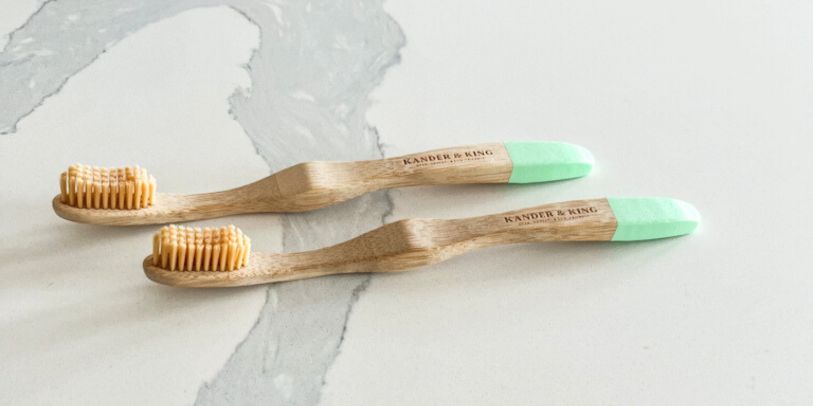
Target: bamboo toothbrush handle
{"points": [[482, 163], [313, 185], [577, 220], [509, 162], [417, 242]]}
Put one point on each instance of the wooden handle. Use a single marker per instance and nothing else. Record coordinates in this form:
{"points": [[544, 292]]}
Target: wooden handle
{"points": [[577, 220], [483, 163], [416, 242], [313, 185]]}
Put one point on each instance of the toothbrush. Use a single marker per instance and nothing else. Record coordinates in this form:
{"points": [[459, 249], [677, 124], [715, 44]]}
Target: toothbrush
{"points": [[191, 257], [127, 196]]}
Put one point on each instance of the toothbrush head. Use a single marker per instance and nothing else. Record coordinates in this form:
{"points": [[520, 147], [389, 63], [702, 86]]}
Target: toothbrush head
{"points": [[182, 248], [92, 187]]}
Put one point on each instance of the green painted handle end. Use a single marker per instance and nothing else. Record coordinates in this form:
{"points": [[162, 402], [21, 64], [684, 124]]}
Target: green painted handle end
{"points": [[544, 161], [648, 218]]}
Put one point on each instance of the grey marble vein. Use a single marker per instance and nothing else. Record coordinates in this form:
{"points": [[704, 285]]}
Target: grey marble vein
{"points": [[59, 40], [311, 77]]}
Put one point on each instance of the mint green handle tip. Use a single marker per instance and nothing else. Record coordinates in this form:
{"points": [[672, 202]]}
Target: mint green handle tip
{"points": [[545, 161], [648, 218]]}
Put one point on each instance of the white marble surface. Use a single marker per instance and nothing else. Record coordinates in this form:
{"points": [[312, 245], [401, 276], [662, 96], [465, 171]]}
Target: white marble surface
{"points": [[708, 102]]}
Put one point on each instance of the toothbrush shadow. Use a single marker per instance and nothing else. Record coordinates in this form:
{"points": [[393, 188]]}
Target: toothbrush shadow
{"points": [[66, 327], [530, 262], [49, 241]]}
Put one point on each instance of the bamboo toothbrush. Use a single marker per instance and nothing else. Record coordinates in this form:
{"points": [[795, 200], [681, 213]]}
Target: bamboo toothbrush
{"points": [[190, 257], [127, 196]]}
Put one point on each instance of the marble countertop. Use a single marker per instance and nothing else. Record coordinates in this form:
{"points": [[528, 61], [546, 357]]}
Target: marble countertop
{"points": [[707, 102]]}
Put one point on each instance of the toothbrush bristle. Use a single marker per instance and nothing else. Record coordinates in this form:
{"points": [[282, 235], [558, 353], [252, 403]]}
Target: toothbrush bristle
{"points": [[93, 187], [182, 248]]}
